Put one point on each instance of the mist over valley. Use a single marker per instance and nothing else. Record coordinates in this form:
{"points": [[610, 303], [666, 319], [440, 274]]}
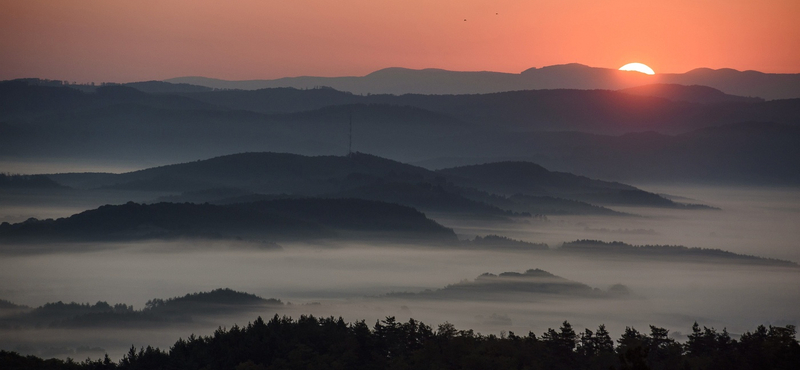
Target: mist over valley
{"points": [[142, 213]]}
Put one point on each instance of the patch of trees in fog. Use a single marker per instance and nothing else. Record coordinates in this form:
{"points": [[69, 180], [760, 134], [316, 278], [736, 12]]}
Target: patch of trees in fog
{"points": [[330, 343], [12, 181], [667, 251], [501, 242], [157, 312], [531, 281], [530, 285]]}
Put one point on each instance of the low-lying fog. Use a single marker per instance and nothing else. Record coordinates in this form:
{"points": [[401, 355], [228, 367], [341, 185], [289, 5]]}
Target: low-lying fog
{"points": [[349, 281], [756, 221]]}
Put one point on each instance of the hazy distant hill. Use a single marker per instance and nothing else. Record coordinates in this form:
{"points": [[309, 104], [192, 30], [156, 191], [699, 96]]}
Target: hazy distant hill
{"points": [[273, 220], [747, 153], [754, 153], [692, 94], [566, 76], [599, 111], [161, 87], [744, 83]]}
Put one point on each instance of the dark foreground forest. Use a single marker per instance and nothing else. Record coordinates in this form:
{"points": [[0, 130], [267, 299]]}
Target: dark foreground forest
{"points": [[329, 343]]}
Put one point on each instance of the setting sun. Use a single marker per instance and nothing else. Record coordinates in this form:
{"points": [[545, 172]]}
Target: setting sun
{"points": [[637, 67]]}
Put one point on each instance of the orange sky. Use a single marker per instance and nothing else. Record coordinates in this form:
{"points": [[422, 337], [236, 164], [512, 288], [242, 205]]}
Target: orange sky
{"points": [[132, 40]]}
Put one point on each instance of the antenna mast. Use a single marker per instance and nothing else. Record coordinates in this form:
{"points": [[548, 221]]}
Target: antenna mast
{"points": [[350, 136]]}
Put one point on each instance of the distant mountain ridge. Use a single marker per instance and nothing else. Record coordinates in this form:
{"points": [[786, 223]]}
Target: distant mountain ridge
{"points": [[591, 132], [566, 76]]}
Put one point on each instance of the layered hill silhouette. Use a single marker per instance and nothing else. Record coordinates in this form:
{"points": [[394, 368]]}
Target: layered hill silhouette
{"points": [[751, 153], [664, 134], [283, 219], [598, 111], [566, 76]]}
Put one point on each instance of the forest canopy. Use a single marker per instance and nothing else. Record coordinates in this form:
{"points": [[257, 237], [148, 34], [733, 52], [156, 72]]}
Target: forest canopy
{"points": [[330, 343]]}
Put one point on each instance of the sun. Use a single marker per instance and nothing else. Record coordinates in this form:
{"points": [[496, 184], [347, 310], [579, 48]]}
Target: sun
{"points": [[638, 67]]}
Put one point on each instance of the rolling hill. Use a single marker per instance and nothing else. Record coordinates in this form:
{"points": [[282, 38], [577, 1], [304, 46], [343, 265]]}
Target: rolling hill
{"points": [[370, 177]]}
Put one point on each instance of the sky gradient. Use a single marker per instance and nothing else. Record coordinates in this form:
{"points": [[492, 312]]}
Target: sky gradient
{"points": [[127, 40]]}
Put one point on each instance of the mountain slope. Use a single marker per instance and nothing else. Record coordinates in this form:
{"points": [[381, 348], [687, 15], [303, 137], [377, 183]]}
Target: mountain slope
{"points": [[523, 179]]}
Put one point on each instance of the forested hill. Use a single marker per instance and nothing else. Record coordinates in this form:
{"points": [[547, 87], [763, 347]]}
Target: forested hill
{"points": [[372, 177], [531, 285], [283, 219]]}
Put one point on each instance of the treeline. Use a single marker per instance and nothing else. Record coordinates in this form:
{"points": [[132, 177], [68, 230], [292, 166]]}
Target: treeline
{"points": [[329, 343], [15, 181]]}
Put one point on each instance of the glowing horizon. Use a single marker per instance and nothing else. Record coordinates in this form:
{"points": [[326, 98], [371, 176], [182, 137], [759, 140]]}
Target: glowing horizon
{"points": [[123, 41]]}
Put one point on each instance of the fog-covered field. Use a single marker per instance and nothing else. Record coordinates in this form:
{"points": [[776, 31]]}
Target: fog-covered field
{"points": [[351, 280]]}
